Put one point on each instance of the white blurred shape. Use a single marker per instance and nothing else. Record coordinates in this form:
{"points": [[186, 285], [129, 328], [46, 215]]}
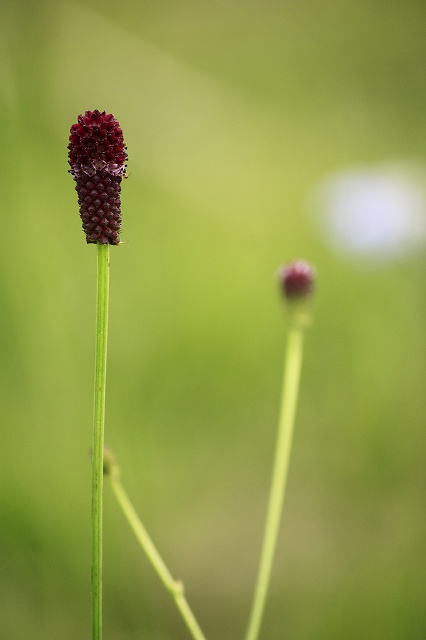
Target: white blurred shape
{"points": [[378, 212]]}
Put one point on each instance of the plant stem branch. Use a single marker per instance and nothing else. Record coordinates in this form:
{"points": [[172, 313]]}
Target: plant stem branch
{"points": [[174, 587], [292, 368], [98, 435]]}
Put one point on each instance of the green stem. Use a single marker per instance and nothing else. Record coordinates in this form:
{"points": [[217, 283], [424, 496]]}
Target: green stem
{"points": [[292, 367], [175, 587], [98, 436]]}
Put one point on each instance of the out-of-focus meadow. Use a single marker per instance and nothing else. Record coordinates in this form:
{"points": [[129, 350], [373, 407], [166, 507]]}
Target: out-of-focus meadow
{"points": [[234, 113]]}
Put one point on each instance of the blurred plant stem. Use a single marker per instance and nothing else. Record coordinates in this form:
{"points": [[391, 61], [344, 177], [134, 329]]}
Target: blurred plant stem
{"points": [[98, 435], [174, 587], [291, 378]]}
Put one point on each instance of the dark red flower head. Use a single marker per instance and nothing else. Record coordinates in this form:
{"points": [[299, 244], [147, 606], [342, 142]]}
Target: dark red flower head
{"points": [[297, 280], [97, 157]]}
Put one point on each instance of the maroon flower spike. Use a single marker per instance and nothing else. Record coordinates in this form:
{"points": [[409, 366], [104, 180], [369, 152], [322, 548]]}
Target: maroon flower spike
{"points": [[97, 157], [297, 280]]}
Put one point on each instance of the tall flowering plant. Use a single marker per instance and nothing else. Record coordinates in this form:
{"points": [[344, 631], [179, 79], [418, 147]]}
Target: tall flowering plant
{"points": [[97, 158]]}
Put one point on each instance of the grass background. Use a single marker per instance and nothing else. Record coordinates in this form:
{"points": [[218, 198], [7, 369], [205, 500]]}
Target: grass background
{"points": [[232, 112]]}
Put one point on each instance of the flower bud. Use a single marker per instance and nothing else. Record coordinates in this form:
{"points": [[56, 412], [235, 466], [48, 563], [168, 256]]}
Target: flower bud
{"points": [[297, 280], [97, 157]]}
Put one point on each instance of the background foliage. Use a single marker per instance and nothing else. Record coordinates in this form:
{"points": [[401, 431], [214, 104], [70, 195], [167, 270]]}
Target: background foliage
{"points": [[232, 113]]}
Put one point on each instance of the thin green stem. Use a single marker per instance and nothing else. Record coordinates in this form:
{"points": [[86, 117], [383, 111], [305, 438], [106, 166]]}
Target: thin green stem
{"points": [[175, 587], [292, 367], [98, 436]]}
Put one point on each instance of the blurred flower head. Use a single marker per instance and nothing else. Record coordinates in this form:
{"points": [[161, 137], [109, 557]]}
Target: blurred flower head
{"points": [[377, 212]]}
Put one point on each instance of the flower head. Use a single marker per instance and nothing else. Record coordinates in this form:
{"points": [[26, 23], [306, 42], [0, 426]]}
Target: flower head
{"points": [[97, 157], [297, 280]]}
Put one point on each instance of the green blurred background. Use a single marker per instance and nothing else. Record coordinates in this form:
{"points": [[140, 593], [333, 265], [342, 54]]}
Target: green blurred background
{"points": [[232, 111]]}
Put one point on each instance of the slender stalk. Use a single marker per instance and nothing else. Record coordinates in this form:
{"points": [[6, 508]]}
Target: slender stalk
{"points": [[98, 436], [292, 367], [175, 587]]}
